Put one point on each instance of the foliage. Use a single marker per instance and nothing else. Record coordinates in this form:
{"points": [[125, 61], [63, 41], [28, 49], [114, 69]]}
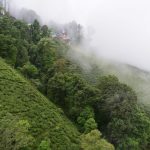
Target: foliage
{"points": [[23, 29], [45, 31], [89, 102], [120, 117], [90, 125], [8, 49], [71, 92], [86, 120], [24, 102], [44, 145], [35, 31], [29, 70], [45, 54], [14, 134], [93, 141], [22, 56]]}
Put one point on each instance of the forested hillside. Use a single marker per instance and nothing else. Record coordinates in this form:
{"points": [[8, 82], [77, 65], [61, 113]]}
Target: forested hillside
{"points": [[38, 74]]}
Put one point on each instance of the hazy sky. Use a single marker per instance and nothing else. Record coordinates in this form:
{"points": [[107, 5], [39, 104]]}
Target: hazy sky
{"points": [[121, 27]]}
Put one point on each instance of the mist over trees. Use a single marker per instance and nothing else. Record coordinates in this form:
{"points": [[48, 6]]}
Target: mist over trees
{"points": [[103, 114]]}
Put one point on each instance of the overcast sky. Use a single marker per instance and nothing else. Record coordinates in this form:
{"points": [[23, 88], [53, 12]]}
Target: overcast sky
{"points": [[121, 27]]}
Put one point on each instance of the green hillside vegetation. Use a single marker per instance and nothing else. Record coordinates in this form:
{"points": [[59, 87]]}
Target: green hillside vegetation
{"points": [[19, 101], [28, 120], [97, 106]]}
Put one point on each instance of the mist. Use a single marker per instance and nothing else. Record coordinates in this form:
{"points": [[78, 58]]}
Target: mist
{"points": [[119, 30]]}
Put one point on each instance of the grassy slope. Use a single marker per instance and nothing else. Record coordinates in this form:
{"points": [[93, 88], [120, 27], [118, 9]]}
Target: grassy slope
{"points": [[19, 98]]}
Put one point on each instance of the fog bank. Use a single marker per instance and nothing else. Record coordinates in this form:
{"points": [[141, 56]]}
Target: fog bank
{"points": [[120, 30]]}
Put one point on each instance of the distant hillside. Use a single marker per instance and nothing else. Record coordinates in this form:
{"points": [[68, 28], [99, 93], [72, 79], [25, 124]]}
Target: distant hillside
{"points": [[136, 78], [23, 102], [94, 66]]}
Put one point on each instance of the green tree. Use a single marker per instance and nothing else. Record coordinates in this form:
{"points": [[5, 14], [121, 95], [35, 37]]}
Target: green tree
{"points": [[45, 54], [114, 97], [86, 114], [35, 31], [24, 30], [129, 143], [14, 134], [7, 27], [90, 125], [44, 145], [22, 57], [71, 92], [29, 70], [119, 116], [45, 32], [8, 49], [93, 141], [33, 52]]}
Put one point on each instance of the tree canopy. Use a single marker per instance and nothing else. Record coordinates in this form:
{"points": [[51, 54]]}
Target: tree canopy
{"points": [[99, 106]]}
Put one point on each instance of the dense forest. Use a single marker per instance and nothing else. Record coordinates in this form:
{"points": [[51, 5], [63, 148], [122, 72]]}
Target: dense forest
{"points": [[48, 103]]}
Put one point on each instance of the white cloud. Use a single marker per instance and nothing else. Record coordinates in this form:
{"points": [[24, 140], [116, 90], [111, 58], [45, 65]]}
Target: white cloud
{"points": [[122, 27]]}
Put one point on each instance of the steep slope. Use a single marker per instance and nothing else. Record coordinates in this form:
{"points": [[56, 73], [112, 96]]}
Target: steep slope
{"points": [[21, 100]]}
